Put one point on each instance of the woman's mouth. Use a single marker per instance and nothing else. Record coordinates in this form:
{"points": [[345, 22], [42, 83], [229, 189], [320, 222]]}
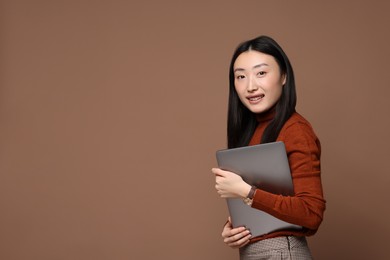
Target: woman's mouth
{"points": [[255, 99]]}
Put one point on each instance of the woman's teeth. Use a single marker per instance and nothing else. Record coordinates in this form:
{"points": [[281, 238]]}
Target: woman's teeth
{"points": [[256, 98]]}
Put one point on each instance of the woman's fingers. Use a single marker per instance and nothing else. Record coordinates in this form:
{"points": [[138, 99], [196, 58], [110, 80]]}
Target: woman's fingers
{"points": [[239, 239], [241, 242], [235, 237], [218, 172]]}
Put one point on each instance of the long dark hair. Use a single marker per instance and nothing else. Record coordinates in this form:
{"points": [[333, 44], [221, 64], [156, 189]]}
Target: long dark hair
{"points": [[241, 121]]}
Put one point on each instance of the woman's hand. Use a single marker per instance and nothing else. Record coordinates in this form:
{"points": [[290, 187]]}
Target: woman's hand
{"points": [[230, 185], [235, 237]]}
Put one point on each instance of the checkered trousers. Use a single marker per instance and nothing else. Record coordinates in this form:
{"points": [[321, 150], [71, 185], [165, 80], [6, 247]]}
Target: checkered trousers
{"points": [[287, 247]]}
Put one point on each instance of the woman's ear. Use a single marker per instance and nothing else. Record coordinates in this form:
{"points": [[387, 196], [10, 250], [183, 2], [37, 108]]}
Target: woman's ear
{"points": [[284, 79]]}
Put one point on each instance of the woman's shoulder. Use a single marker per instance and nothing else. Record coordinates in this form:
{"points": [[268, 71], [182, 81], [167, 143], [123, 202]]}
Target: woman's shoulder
{"points": [[297, 125], [297, 119], [297, 133]]}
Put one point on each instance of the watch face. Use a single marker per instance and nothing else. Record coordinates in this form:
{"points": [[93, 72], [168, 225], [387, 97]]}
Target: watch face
{"points": [[248, 201]]}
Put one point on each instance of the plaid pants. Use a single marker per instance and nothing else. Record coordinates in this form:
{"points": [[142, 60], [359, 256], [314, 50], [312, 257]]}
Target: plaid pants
{"points": [[287, 247]]}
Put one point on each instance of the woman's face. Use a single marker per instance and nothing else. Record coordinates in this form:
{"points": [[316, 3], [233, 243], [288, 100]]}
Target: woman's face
{"points": [[257, 80]]}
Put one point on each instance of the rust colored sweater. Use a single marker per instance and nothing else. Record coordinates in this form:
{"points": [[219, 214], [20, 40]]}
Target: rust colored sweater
{"points": [[307, 206]]}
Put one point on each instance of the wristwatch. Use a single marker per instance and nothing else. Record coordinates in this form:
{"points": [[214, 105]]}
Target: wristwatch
{"points": [[249, 199]]}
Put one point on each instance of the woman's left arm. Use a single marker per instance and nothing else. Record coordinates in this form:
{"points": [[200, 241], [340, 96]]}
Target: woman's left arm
{"points": [[306, 207]]}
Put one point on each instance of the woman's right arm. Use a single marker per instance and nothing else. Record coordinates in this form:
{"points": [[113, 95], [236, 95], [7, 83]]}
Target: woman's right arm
{"points": [[235, 237]]}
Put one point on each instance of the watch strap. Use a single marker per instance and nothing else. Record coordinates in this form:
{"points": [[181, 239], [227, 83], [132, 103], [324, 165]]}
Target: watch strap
{"points": [[251, 192]]}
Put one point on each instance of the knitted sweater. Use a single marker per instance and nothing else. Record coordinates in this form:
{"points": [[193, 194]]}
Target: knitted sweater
{"points": [[307, 206]]}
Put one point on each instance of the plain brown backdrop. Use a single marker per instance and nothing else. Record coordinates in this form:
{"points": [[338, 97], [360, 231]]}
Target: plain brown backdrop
{"points": [[111, 112]]}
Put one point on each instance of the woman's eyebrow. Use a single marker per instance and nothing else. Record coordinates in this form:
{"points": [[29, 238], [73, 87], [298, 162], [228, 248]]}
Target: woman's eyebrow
{"points": [[260, 65], [254, 67]]}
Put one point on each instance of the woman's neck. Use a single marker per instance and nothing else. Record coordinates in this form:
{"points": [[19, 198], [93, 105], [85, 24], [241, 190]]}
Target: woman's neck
{"points": [[266, 116]]}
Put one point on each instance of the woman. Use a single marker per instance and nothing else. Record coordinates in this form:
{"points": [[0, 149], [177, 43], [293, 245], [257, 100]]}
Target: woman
{"points": [[261, 109]]}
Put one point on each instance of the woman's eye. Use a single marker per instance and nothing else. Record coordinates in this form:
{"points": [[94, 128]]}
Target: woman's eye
{"points": [[240, 77], [261, 73]]}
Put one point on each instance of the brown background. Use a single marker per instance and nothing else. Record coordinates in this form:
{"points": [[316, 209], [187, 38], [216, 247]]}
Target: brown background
{"points": [[111, 111]]}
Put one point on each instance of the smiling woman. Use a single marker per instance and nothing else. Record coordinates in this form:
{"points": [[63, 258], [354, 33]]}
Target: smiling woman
{"points": [[257, 75], [262, 103]]}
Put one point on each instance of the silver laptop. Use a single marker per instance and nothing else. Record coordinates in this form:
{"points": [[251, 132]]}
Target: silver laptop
{"points": [[265, 166]]}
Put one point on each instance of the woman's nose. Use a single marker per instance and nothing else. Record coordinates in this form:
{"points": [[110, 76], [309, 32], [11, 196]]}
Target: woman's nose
{"points": [[252, 85]]}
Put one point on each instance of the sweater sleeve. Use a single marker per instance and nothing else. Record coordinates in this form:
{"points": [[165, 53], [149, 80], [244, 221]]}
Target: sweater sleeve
{"points": [[307, 205]]}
